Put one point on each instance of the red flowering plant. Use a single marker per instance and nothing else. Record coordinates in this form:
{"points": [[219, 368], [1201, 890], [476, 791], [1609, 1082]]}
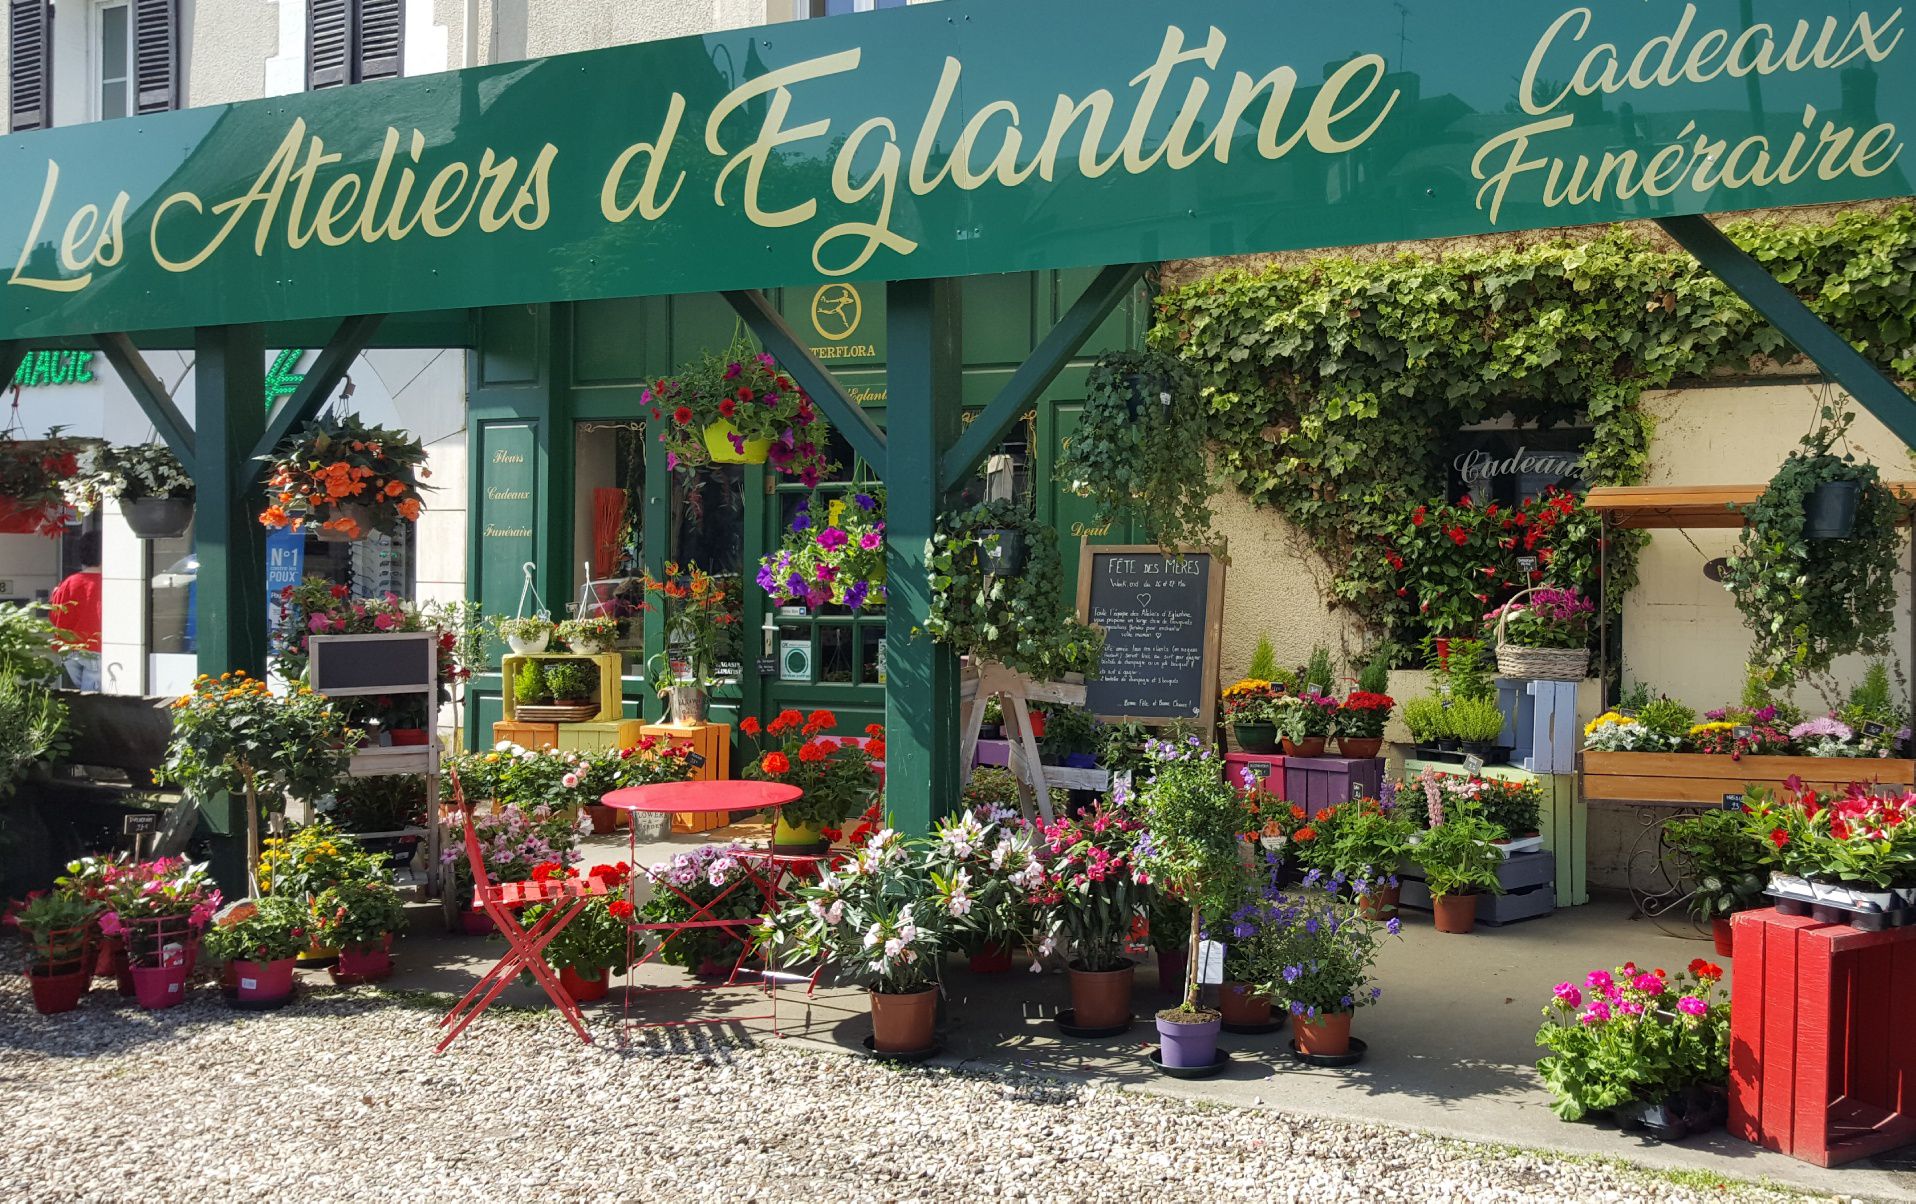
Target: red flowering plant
{"points": [[1363, 713], [1738, 740], [596, 939], [271, 929], [1864, 838], [741, 405], [836, 775], [32, 476], [1632, 1036], [1090, 889], [344, 477]]}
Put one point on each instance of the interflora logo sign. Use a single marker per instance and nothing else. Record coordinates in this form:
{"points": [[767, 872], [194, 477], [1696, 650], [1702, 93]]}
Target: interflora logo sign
{"points": [[961, 138]]}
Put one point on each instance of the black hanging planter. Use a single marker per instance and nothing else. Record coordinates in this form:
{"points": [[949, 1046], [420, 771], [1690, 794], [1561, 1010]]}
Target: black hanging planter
{"points": [[1145, 388], [158, 517], [1830, 510], [1002, 550]]}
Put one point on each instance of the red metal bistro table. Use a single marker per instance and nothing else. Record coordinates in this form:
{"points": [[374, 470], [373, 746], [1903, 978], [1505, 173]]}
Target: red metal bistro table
{"points": [[765, 873]]}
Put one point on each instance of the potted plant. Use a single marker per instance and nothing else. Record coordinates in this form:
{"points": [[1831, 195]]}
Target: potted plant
{"points": [[1360, 723], [513, 841], [1365, 842], [343, 480], [59, 927], [1020, 621], [1723, 864], [882, 919], [737, 407], [992, 727], [591, 635], [1652, 1049], [358, 917], [159, 909], [260, 942], [1304, 722], [1544, 633], [1249, 705], [33, 474], [1193, 821], [233, 733], [714, 882], [306, 861], [698, 608], [989, 862], [1476, 723], [1087, 899], [1071, 738], [1429, 725], [1140, 451], [836, 556], [837, 776], [526, 635], [1315, 953], [152, 486], [572, 682], [1459, 863], [592, 949], [1808, 594]]}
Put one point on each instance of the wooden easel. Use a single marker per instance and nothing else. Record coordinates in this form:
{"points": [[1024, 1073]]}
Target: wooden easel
{"points": [[1015, 692]]}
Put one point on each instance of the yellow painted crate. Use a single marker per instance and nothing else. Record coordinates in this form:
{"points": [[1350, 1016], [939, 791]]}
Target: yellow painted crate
{"points": [[597, 737], [611, 702]]}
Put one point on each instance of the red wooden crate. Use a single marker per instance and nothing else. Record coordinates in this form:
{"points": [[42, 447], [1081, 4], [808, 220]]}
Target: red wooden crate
{"points": [[1267, 768], [1822, 1037]]}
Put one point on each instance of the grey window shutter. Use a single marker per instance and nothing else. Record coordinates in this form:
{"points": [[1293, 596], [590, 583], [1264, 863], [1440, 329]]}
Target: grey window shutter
{"points": [[29, 65], [382, 39], [156, 55], [329, 41]]}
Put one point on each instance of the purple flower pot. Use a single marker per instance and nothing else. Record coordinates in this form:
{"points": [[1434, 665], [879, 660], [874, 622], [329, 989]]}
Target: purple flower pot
{"points": [[1188, 1046]]}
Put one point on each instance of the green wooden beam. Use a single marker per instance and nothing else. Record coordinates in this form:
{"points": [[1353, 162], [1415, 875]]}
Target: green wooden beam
{"points": [[798, 361], [153, 399], [1105, 293], [335, 361], [921, 677], [1808, 333]]}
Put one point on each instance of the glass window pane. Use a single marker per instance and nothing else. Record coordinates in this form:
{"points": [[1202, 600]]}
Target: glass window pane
{"points": [[835, 653], [113, 100], [114, 62]]}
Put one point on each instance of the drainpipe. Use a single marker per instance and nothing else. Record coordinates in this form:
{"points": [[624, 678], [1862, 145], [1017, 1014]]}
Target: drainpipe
{"points": [[472, 34]]}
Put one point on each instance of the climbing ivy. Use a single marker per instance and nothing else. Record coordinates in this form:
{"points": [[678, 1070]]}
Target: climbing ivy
{"points": [[1335, 384]]}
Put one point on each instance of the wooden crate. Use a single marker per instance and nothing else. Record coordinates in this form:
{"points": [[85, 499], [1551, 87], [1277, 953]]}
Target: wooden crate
{"points": [[1266, 768], [1564, 820], [597, 737], [1822, 1037], [1702, 779], [713, 742], [527, 735], [1318, 782], [1526, 879], [611, 689], [1540, 724]]}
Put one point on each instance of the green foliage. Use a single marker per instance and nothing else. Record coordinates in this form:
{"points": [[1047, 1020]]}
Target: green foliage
{"points": [[33, 728], [28, 645], [1335, 383], [1427, 719], [357, 912], [1475, 720], [1872, 701], [1722, 861], [1021, 621], [1359, 839], [570, 681], [1467, 672], [991, 786], [1808, 601], [1069, 731], [232, 733], [1139, 451], [1263, 661], [1457, 856], [1318, 678], [272, 929], [1667, 717], [1630, 1044], [1194, 820], [1374, 676], [529, 685]]}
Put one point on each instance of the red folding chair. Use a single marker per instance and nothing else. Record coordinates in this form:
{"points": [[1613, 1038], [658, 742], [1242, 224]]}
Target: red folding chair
{"points": [[567, 897]]}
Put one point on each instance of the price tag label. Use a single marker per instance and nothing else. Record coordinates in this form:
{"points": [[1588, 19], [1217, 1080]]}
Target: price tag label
{"points": [[1527, 563], [1732, 802], [1874, 729], [1474, 763], [1627, 712], [140, 821], [696, 760], [1743, 731], [1210, 962], [1261, 770]]}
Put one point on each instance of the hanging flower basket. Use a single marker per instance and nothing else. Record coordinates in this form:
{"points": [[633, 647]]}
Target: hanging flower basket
{"points": [[154, 490], [726, 445], [833, 554], [344, 480], [158, 517], [737, 407], [32, 475]]}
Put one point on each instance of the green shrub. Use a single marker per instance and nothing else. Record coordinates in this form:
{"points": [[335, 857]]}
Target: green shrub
{"points": [[1475, 720], [1667, 717], [529, 685], [571, 681], [1427, 719], [1263, 661], [1457, 856]]}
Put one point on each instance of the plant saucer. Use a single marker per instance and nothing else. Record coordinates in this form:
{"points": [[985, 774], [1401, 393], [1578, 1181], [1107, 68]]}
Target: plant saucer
{"points": [[907, 1056], [1356, 1055], [1221, 1060], [1067, 1024], [259, 1005]]}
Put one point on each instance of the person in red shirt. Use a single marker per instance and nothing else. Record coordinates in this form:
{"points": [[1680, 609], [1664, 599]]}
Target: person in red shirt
{"points": [[75, 610]]}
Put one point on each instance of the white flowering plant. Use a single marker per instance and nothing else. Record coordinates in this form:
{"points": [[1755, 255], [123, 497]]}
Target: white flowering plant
{"points": [[135, 473], [985, 860], [880, 915], [1613, 732]]}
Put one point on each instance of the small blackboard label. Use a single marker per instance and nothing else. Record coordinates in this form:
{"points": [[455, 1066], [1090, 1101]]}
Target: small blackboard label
{"points": [[1874, 729], [1261, 770], [1732, 802], [1627, 712], [1160, 616], [696, 760], [137, 822], [1474, 764], [1743, 731], [768, 666]]}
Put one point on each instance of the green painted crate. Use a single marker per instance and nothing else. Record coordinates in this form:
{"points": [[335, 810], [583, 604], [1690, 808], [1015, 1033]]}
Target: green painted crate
{"points": [[1564, 821]]}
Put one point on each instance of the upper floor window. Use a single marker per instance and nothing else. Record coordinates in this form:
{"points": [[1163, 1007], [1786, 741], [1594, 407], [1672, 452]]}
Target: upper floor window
{"points": [[113, 59], [353, 41], [134, 57], [834, 8]]}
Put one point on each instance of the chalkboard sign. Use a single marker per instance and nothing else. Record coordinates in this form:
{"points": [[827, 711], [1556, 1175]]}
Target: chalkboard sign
{"points": [[1160, 614], [399, 662]]}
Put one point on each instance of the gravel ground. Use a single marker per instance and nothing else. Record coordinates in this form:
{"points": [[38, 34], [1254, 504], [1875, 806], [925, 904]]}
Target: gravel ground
{"points": [[339, 1097]]}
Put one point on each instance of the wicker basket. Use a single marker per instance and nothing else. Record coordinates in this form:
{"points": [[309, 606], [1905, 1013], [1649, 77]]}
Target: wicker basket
{"points": [[556, 712], [1538, 664]]}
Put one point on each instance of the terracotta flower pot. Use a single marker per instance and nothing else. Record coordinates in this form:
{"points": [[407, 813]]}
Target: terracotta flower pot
{"points": [[1328, 1035], [992, 959], [1309, 746], [1239, 1006], [1455, 913], [56, 993], [1380, 904], [1101, 998], [605, 820], [1359, 746], [582, 990], [262, 982], [904, 1023], [1720, 932]]}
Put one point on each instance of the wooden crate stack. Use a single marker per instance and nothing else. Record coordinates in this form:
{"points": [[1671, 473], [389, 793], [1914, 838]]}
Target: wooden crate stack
{"points": [[1563, 820]]}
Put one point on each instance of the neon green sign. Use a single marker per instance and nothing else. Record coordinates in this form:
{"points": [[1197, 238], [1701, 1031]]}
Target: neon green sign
{"points": [[40, 368]]}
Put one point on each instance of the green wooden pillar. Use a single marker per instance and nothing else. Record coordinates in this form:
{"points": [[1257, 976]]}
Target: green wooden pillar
{"points": [[921, 690], [230, 591]]}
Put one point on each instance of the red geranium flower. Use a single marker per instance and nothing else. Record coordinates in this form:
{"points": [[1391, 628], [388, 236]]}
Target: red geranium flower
{"points": [[776, 762], [749, 725]]}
